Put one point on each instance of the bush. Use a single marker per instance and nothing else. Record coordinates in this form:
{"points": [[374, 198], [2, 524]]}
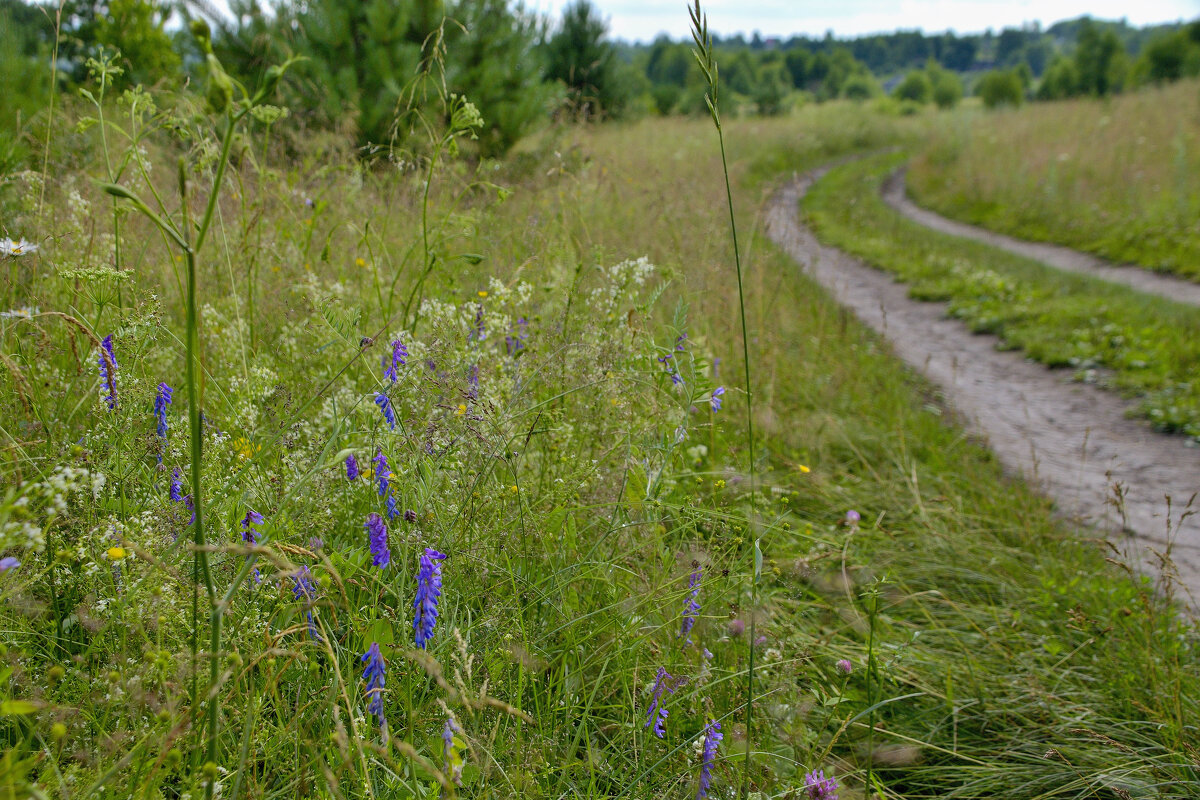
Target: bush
{"points": [[1000, 88], [860, 87], [916, 87]]}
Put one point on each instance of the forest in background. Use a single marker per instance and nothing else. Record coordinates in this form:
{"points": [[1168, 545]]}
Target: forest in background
{"points": [[367, 68]]}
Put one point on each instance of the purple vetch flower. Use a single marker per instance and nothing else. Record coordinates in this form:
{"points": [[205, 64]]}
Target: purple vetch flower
{"points": [[251, 535], [478, 331], [454, 762], [429, 591], [657, 713], [108, 371], [374, 676], [676, 380], [304, 589], [393, 508], [382, 472], [819, 787], [190, 505], [175, 491], [516, 341], [691, 606], [377, 536], [844, 666], [9, 562], [736, 627], [712, 740], [161, 400], [473, 382], [385, 407], [410, 516], [716, 367], [399, 359], [352, 472], [680, 341], [716, 398], [316, 543]]}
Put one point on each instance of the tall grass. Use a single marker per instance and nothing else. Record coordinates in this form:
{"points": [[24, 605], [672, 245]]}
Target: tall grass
{"points": [[570, 480], [1113, 177]]}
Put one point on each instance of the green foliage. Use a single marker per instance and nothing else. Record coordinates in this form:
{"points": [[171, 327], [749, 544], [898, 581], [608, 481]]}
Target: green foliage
{"points": [[1100, 61], [132, 28], [579, 55], [492, 64], [947, 87], [1000, 88], [860, 87], [1170, 57], [1060, 81], [361, 63], [915, 87]]}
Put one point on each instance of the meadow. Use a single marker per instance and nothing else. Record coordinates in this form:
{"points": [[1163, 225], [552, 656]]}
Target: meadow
{"points": [[427, 475], [1115, 178]]}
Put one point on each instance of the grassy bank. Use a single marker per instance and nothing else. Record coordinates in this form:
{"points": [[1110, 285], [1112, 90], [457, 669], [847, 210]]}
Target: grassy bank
{"points": [[1117, 177], [584, 498], [1141, 345]]}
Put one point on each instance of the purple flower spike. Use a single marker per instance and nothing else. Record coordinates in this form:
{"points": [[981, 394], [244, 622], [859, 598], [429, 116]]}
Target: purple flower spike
{"points": [[303, 588], [385, 407], [352, 472], [716, 398], [175, 492], [252, 535], [657, 713], [691, 606], [393, 509], [399, 359], [108, 372], [161, 401], [382, 472], [819, 787], [429, 592], [377, 536], [9, 562], [712, 740], [374, 676]]}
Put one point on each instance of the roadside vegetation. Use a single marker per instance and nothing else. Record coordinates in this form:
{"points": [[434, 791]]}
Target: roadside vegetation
{"points": [[1120, 179], [1144, 346], [411, 473]]}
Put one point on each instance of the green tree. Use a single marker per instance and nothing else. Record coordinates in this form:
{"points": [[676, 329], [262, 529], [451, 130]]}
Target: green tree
{"points": [[1060, 81], [134, 28], [579, 55], [493, 64], [361, 60], [1099, 60], [1171, 57], [774, 84], [947, 87], [1000, 88], [915, 87]]}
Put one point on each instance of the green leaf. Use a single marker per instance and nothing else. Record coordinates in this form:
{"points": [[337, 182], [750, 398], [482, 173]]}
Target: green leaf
{"points": [[10, 708]]}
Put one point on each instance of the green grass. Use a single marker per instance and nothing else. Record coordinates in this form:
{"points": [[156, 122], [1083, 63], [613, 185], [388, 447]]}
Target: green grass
{"points": [[1117, 177], [1010, 659], [1141, 345]]}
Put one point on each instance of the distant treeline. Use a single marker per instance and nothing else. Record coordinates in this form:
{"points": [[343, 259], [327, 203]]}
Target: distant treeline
{"points": [[370, 67]]}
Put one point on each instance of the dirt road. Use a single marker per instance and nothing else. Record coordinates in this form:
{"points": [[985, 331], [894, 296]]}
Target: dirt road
{"points": [[1064, 258], [1065, 437]]}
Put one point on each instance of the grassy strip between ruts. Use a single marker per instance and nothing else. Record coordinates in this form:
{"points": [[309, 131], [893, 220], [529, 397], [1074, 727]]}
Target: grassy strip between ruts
{"points": [[1115, 177], [1141, 345]]}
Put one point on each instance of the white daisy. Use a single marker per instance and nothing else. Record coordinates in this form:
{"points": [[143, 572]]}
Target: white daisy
{"points": [[19, 247]]}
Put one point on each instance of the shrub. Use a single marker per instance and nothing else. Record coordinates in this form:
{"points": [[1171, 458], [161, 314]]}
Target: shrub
{"points": [[1000, 88], [916, 87]]}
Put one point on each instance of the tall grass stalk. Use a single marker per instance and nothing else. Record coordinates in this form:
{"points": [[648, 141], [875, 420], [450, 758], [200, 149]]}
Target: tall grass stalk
{"points": [[703, 53]]}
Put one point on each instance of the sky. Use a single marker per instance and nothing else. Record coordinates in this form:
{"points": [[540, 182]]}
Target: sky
{"points": [[642, 20]]}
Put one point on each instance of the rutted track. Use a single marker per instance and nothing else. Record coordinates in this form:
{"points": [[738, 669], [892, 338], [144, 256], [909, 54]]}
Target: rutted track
{"points": [[1070, 439], [1064, 258]]}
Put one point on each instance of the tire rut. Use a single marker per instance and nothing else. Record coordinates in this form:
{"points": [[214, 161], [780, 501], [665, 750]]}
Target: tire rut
{"points": [[1073, 441], [1161, 284]]}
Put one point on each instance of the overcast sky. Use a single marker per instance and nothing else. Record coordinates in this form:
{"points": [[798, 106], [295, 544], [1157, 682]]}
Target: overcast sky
{"points": [[642, 20]]}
